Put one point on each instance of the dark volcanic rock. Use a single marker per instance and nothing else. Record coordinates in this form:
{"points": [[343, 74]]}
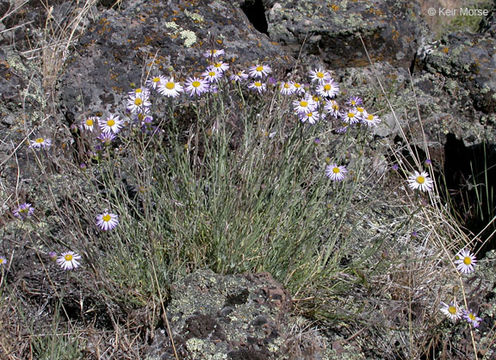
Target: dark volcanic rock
{"points": [[469, 59], [166, 37], [332, 30]]}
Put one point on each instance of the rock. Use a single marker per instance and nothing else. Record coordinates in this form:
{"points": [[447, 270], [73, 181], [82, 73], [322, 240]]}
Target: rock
{"points": [[162, 37], [470, 60], [389, 28], [215, 316]]}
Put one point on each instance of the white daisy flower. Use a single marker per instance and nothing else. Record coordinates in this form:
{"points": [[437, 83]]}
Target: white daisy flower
{"points": [[89, 123], [3, 261], [287, 88], [68, 260], [320, 75], [360, 112], [335, 172], [257, 86], [154, 82], [332, 107], [304, 105], [350, 117], [170, 88], [214, 53], [111, 124], [370, 120], [138, 103], [196, 86], [328, 89], [420, 181], [259, 71], [221, 66], [311, 117], [354, 101], [141, 90], [239, 76], [107, 221], [212, 75], [298, 88], [465, 261], [452, 310], [40, 143]]}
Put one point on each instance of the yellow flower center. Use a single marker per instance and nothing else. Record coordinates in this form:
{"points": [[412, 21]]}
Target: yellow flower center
{"points": [[259, 68], [1, 261], [335, 107], [138, 102], [111, 122], [258, 83], [452, 310], [353, 102], [170, 85], [68, 257], [89, 122], [360, 109], [303, 103], [218, 65], [156, 79], [212, 73], [315, 98], [106, 217], [39, 140], [327, 87], [336, 170], [370, 117], [420, 179], [286, 85], [471, 316], [467, 260], [296, 85], [138, 90], [310, 114], [320, 75], [195, 84], [351, 115]]}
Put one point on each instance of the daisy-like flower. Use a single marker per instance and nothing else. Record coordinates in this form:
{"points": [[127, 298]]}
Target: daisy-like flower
{"points": [[3, 261], [69, 260], [360, 112], [141, 91], [154, 82], [52, 255], [465, 261], [354, 101], [214, 53], [311, 117], [220, 65], [258, 86], [298, 88], [286, 88], [328, 89], [106, 138], [304, 105], [420, 181], [107, 221], [350, 117], [451, 310], [111, 124], [335, 172], [170, 88], [259, 71], [212, 75], [239, 76], [138, 103], [196, 86], [332, 107], [472, 318], [320, 75], [24, 211], [40, 143], [89, 123], [370, 120]]}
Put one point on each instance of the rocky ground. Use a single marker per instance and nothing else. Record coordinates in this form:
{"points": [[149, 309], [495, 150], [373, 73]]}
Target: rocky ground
{"points": [[449, 77]]}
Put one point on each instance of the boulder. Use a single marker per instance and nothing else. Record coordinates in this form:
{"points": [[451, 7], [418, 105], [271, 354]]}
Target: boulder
{"points": [[332, 30]]}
